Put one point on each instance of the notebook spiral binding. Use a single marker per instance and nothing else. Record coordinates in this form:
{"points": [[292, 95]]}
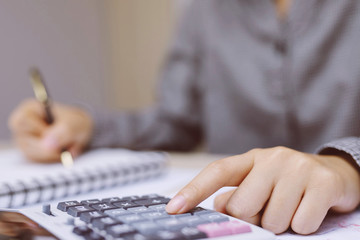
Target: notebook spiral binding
{"points": [[69, 183]]}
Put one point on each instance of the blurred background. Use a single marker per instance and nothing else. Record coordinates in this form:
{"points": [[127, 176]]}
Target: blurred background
{"points": [[106, 53]]}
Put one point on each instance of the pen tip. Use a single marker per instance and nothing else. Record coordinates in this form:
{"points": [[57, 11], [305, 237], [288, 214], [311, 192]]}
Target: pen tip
{"points": [[67, 159]]}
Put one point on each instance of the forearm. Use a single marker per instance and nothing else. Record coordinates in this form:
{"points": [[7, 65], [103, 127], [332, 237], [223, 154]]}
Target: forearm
{"points": [[151, 129]]}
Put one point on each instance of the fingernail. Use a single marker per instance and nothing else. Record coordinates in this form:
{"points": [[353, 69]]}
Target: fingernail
{"points": [[50, 142], [176, 204]]}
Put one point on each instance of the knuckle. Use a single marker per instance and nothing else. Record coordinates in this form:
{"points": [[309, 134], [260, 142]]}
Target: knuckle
{"points": [[238, 210], [326, 179], [274, 226], [235, 210], [219, 167], [281, 150], [328, 176], [256, 153], [192, 191], [273, 155], [255, 150], [326, 182], [302, 228], [303, 164]]}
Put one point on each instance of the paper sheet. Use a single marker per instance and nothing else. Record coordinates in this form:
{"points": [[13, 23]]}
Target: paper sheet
{"points": [[335, 227], [14, 166]]}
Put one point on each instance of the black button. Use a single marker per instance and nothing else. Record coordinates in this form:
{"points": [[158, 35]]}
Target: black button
{"points": [[64, 206], [77, 210], [94, 236], [88, 217], [82, 230], [153, 201]]}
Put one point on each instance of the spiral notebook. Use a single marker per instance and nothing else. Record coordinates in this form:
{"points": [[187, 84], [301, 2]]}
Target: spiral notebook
{"points": [[25, 183]]}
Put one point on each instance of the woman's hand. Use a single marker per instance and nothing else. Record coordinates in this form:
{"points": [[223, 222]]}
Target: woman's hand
{"points": [[72, 129], [276, 188]]}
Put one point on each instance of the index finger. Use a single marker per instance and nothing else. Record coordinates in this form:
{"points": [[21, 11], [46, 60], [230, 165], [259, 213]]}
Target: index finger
{"points": [[229, 171]]}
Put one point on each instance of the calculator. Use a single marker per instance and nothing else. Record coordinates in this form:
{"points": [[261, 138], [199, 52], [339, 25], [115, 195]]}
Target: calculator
{"points": [[138, 218]]}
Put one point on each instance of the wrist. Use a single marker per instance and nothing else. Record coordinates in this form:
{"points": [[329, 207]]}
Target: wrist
{"points": [[348, 183]]}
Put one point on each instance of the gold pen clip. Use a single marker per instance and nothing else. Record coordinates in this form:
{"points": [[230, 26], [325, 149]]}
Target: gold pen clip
{"points": [[38, 86]]}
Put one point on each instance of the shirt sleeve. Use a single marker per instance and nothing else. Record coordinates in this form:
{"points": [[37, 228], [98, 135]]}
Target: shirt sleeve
{"points": [[349, 145], [174, 122]]}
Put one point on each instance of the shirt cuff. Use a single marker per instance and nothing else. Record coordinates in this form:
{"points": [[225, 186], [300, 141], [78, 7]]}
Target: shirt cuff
{"points": [[349, 145]]}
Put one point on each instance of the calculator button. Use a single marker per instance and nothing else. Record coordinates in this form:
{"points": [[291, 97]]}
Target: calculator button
{"points": [[94, 236], [130, 218], [109, 200], [168, 235], [136, 236], [193, 221], [214, 230], [64, 206], [155, 215], [153, 195], [140, 209], [82, 230], [236, 227], [126, 204], [102, 223], [171, 223], [88, 217], [116, 212], [181, 215], [103, 206], [214, 217], [120, 230], [200, 211], [160, 207], [153, 201], [192, 233], [90, 201], [147, 227], [77, 210], [130, 198]]}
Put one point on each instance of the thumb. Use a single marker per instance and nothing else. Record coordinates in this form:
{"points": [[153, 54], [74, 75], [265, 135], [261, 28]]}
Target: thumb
{"points": [[221, 201]]}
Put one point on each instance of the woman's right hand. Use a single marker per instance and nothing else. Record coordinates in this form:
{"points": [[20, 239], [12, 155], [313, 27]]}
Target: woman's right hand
{"points": [[42, 142]]}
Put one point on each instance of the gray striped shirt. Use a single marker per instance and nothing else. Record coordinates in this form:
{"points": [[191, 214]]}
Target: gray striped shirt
{"points": [[236, 78]]}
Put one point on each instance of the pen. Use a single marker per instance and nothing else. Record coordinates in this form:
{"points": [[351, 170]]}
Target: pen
{"points": [[42, 96]]}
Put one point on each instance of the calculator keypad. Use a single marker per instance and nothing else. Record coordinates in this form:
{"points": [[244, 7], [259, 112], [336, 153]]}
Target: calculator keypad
{"points": [[145, 218]]}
